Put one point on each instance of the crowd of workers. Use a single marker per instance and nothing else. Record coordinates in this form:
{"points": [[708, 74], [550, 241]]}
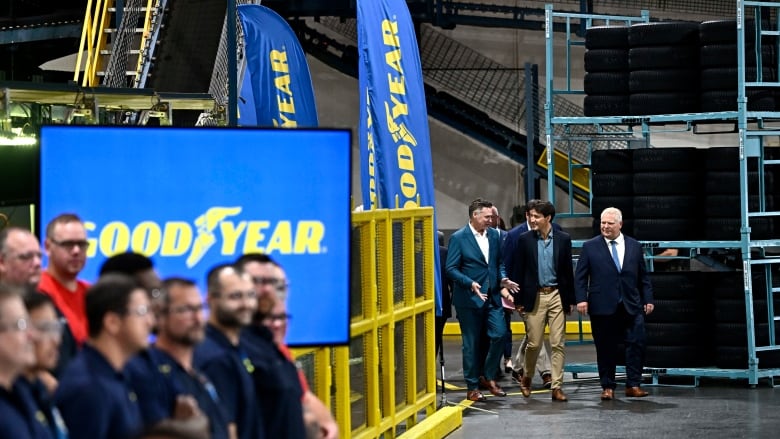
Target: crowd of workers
{"points": [[135, 356]]}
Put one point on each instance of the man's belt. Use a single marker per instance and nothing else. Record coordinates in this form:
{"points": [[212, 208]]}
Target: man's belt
{"points": [[547, 290]]}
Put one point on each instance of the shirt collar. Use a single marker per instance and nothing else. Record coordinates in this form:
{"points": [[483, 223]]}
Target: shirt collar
{"points": [[475, 233], [619, 240]]}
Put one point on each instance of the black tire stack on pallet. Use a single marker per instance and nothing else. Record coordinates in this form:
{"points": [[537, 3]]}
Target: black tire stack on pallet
{"points": [[664, 63], [606, 71], [667, 191], [612, 186], [718, 60], [678, 331], [722, 197], [730, 319]]}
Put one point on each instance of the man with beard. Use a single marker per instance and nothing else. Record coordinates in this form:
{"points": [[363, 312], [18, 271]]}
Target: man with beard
{"points": [[66, 247], [231, 300], [170, 390]]}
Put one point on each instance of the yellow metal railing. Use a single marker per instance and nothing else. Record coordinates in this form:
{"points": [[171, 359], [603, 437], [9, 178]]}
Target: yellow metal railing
{"points": [[93, 41], [380, 384]]}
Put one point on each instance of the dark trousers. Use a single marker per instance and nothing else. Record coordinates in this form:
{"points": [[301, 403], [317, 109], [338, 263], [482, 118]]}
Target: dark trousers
{"points": [[472, 323], [608, 332]]}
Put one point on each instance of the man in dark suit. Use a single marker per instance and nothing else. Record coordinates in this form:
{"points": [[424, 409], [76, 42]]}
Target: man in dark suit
{"points": [[474, 266], [446, 296], [508, 251], [612, 285], [542, 264]]}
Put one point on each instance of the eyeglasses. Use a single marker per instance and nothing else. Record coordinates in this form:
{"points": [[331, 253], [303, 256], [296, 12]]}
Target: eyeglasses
{"points": [[52, 328], [182, 309], [140, 311], [28, 256], [238, 295], [71, 243], [283, 318], [19, 325], [275, 282]]}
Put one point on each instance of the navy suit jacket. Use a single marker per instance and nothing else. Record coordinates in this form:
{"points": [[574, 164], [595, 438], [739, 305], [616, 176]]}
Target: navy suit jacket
{"points": [[509, 244], [466, 264], [598, 281], [526, 268]]}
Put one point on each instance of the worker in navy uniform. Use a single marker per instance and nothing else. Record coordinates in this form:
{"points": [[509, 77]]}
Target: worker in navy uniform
{"points": [[39, 382], [94, 396], [275, 376], [163, 375], [19, 416], [270, 282], [232, 301]]}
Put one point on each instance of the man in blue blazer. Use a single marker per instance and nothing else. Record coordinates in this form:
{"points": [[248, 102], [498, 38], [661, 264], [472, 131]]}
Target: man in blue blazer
{"points": [[542, 263], [612, 285], [474, 266]]}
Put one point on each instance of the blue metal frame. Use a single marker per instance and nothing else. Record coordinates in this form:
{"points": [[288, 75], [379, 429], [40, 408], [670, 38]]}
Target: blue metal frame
{"points": [[751, 141]]}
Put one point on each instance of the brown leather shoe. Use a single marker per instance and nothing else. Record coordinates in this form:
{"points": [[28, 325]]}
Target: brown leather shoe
{"points": [[607, 395], [525, 386], [635, 392], [475, 395], [483, 384], [558, 395], [495, 389], [547, 380]]}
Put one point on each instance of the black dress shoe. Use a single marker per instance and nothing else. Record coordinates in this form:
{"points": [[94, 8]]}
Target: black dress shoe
{"points": [[547, 380]]}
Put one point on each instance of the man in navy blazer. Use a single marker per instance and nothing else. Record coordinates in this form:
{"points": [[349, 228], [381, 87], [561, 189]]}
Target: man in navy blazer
{"points": [[475, 268], [508, 251], [612, 285], [542, 263]]}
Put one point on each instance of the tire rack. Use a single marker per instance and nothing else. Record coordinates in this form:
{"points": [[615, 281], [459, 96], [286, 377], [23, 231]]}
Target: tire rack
{"points": [[753, 128]]}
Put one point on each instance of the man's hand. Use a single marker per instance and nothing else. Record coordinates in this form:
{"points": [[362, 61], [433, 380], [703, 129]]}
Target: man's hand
{"points": [[477, 289], [510, 285], [649, 308], [508, 297], [582, 307]]}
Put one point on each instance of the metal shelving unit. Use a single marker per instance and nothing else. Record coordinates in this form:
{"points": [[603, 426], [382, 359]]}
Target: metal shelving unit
{"points": [[754, 129]]}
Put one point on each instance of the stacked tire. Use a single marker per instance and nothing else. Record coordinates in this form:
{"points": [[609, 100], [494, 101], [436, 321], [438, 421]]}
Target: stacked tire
{"points": [[606, 71], [722, 197], [612, 186], [718, 61], [731, 350], [664, 68], [666, 194], [678, 329]]}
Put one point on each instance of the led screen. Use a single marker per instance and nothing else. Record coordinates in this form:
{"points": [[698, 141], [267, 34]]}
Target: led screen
{"points": [[191, 198]]}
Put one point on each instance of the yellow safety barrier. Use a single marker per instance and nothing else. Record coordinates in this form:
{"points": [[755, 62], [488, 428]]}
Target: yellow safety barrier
{"points": [[384, 381]]}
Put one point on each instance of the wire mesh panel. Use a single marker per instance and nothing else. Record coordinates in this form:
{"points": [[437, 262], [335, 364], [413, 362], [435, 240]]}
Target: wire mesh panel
{"points": [[398, 256], [125, 39], [401, 361], [357, 374], [385, 378]]}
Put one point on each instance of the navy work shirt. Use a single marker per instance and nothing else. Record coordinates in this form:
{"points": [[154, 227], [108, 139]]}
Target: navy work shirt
{"points": [[47, 414], [229, 368], [158, 379], [19, 416], [277, 377], [95, 400]]}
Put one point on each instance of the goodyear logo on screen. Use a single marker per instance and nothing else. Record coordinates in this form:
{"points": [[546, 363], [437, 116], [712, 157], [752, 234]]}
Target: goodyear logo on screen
{"points": [[216, 230]]}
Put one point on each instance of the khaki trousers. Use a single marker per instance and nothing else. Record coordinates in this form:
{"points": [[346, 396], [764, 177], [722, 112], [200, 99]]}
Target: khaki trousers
{"points": [[548, 310]]}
